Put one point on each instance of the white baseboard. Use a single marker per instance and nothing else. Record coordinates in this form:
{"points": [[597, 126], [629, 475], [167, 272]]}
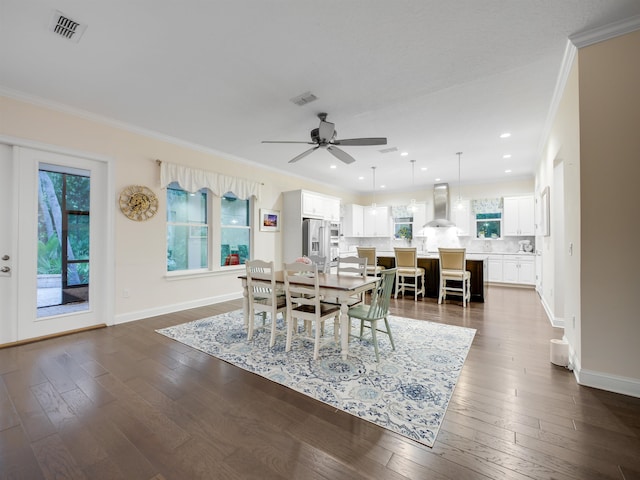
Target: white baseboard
{"points": [[555, 322], [176, 307], [608, 382]]}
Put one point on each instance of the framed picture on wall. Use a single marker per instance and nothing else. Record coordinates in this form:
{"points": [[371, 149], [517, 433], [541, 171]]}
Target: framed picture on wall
{"points": [[269, 220], [544, 212]]}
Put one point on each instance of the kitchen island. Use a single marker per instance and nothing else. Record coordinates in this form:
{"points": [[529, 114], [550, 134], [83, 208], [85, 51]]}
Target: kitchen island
{"points": [[477, 264]]}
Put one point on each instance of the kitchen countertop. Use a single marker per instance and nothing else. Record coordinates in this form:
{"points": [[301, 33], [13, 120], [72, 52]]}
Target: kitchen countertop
{"points": [[470, 255]]}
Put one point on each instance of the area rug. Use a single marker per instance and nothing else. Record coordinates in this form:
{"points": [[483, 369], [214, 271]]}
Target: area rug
{"points": [[406, 392]]}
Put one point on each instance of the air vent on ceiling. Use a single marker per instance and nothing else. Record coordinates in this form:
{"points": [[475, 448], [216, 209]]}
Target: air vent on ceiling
{"points": [[389, 150], [66, 27], [306, 97]]}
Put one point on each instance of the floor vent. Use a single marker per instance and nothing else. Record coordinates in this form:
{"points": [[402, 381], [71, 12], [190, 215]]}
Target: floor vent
{"points": [[66, 27], [306, 97]]}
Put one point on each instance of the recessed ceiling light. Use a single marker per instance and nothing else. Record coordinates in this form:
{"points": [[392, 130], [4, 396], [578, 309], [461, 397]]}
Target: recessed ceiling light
{"points": [[404, 154], [332, 166], [508, 155], [424, 169], [505, 135], [383, 186], [437, 180], [360, 177], [507, 171]]}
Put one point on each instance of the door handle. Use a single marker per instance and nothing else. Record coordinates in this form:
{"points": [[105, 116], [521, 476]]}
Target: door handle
{"points": [[5, 269]]}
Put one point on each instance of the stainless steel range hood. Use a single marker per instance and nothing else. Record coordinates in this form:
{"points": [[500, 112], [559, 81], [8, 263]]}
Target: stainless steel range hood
{"points": [[440, 207]]}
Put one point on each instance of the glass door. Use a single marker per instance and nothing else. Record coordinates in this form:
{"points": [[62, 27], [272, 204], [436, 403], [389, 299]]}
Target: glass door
{"points": [[57, 243], [63, 239]]}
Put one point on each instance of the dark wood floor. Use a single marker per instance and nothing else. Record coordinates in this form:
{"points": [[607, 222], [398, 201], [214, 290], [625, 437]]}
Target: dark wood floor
{"points": [[127, 403]]}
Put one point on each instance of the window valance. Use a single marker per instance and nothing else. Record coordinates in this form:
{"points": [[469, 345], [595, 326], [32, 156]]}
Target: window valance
{"points": [[487, 205], [193, 179]]}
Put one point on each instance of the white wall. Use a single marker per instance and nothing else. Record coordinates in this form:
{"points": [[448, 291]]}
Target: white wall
{"points": [[140, 247], [609, 75], [595, 139]]}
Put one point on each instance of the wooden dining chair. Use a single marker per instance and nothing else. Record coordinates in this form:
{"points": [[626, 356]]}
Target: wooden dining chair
{"points": [[264, 296], [304, 302], [453, 268], [378, 309]]}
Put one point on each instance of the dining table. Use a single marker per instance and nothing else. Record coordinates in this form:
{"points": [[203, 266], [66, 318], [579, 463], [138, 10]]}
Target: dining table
{"points": [[334, 287]]}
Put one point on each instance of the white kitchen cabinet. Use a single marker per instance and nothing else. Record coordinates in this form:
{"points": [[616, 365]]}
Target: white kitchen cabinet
{"points": [[461, 216], [377, 222], [419, 217], [519, 269], [332, 209], [316, 205], [519, 216], [353, 220], [495, 268]]}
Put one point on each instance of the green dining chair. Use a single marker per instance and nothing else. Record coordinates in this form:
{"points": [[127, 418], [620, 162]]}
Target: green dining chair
{"points": [[378, 309]]}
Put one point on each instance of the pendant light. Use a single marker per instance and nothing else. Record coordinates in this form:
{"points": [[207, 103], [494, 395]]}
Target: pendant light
{"points": [[412, 206], [373, 204], [459, 205]]}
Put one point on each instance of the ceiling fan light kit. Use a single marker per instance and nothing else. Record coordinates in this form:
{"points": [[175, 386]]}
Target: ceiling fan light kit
{"points": [[325, 137]]}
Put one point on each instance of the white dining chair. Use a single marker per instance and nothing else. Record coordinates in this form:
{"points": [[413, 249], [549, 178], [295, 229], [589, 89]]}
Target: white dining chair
{"points": [[305, 303], [264, 296], [355, 266], [320, 261]]}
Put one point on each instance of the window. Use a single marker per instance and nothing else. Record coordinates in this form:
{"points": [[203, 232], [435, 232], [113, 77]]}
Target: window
{"points": [[403, 228], [235, 230], [187, 229], [488, 225]]}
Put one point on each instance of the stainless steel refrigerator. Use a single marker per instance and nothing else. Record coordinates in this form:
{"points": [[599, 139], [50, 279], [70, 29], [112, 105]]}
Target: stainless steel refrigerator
{"points": [[315, 237]]}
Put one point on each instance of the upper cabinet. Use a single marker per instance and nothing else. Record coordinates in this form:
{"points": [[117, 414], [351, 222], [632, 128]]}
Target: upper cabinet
{"points": [[519, 216], [377, 221], [353, 220], [316, 205], [461, 216]]}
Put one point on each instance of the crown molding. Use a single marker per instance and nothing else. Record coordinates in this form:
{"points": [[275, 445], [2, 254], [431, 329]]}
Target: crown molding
{"points": [[600, 34], [568, 58]]}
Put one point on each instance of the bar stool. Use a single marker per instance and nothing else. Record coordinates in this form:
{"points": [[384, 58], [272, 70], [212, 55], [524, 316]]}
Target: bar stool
{"points": [[407, 267], [453, 267], [372, 260]]}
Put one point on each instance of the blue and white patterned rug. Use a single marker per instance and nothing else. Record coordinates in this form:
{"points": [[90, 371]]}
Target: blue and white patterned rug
{"points": [[407, 391]]}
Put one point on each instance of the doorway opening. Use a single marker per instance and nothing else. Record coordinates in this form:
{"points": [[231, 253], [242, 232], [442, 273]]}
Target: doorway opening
{"points": [[63, 240]]}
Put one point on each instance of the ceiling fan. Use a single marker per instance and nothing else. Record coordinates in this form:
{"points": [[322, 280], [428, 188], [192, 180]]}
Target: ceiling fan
{"points": [[325, 137]]}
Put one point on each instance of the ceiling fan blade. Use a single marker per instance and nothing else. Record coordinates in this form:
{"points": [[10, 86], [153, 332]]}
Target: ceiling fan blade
{"points": [[361, 141], [303, 154], [326, 131], [341, 154], [286, 141]]}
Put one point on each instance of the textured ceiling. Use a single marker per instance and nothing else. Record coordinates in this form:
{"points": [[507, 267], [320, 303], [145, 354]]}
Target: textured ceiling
{"points": [[434, 77]]}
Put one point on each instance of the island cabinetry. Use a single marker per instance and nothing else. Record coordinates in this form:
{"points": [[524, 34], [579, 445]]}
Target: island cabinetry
{"points": [[519, 216], [353, 220], [431, 265]]}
